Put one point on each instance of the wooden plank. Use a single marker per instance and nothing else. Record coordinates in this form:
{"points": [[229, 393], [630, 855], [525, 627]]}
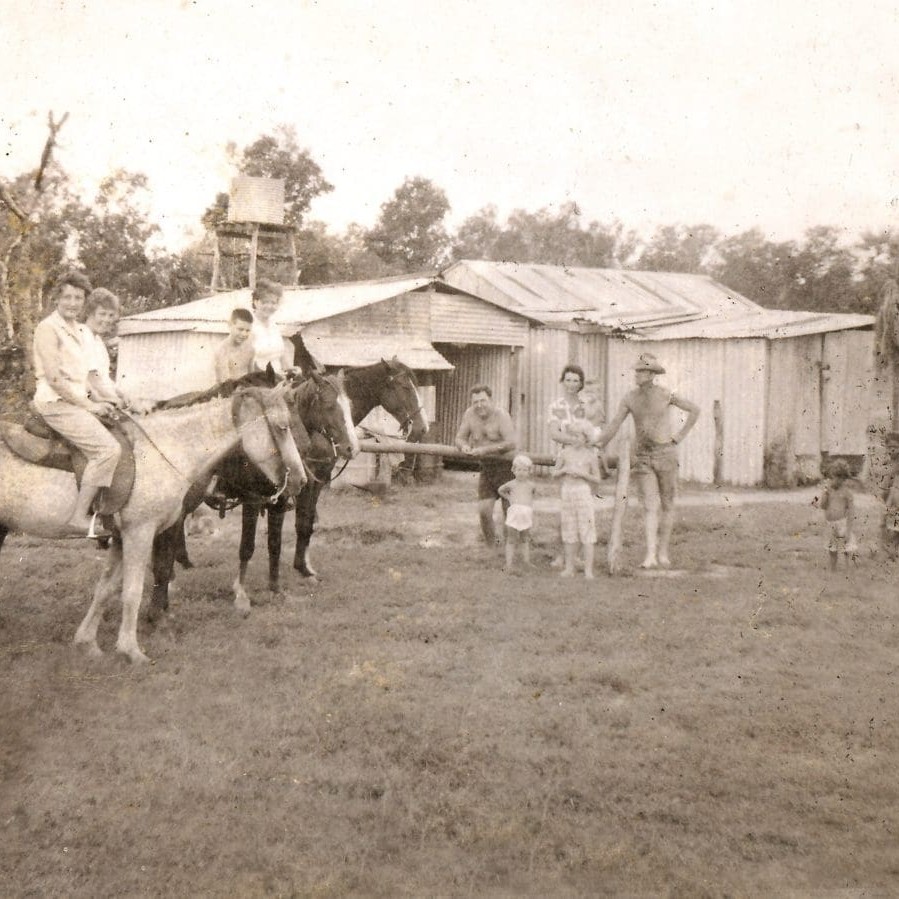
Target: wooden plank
{"points": [[395, 445], [621, 488]]}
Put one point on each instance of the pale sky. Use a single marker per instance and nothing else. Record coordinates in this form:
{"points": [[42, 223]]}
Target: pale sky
{"points": [[776, 114]]}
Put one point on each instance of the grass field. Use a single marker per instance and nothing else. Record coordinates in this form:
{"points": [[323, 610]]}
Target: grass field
{"points": [[423, 724]]}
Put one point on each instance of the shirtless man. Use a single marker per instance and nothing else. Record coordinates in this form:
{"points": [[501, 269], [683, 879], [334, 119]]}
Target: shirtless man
{"points": [[487, 430], [655, 461]]}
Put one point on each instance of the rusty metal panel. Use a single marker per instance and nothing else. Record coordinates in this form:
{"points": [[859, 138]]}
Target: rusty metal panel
{"points": [[847, 376], [793, 404]]}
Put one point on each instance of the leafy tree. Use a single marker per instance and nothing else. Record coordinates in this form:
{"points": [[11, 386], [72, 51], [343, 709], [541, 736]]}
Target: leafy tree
{"points": [[755, 267], [478, 236], [410, 236], [877, 254], [327, 258], [824, 273], [678, 248], [113, 237], [544, 237], [277, 155]]}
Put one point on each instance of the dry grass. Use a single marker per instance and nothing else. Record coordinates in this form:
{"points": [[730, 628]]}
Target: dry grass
{"points": [[422, 724]]}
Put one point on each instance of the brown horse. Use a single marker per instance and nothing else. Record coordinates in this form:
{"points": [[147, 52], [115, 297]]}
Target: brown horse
{"points": [[173, 449], [323, 410]]}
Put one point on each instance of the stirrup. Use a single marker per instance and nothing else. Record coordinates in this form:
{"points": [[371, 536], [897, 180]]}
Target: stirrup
{"points": [[93, 533]]}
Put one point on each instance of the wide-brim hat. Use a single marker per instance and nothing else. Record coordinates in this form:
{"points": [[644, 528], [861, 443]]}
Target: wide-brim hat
{"points": [[648, 362]]}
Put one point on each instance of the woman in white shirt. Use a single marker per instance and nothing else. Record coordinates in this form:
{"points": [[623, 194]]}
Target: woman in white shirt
{"points": [[64, 355], [269, 345]]}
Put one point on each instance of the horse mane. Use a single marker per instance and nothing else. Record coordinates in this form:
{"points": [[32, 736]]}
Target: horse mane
{"points": [[221, 390]]}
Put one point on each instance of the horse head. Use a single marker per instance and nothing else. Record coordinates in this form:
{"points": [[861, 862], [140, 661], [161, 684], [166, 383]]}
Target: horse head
{"points": [[327, 409], [399, 396], [264, 421]]}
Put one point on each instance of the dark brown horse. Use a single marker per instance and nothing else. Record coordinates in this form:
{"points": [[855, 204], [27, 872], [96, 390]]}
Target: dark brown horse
{"points": [[323, 417], [389, 384]]}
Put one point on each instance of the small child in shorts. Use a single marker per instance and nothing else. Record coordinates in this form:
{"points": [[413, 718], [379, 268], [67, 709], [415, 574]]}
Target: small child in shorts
{"points": [[578, 468], [838, 504], [519, 493]]}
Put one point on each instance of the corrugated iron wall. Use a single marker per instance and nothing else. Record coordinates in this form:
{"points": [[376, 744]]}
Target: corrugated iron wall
{"points": [[848, 395], [794, 395], [161, 365], [548, 351], [462, 319], [731, 372], [744, 380], [474, 364]]}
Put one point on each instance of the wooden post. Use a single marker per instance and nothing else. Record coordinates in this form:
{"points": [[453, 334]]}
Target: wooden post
{"points": [[621, 489], [216, 264], [254, 248], [718, 464], [294, 268]]}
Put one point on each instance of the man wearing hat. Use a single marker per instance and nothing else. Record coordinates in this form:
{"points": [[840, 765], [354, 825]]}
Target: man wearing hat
{"points": [[655, 461]]}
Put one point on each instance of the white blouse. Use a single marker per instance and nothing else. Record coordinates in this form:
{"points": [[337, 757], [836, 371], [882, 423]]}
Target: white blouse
{"points": [[268, 346]]}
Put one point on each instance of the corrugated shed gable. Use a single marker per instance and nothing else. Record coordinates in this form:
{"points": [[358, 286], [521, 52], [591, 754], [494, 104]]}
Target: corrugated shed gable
{"points": [[611, 297]]}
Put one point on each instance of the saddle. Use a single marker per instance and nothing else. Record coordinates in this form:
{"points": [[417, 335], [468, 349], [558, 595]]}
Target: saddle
{"points": [[37, 443]]}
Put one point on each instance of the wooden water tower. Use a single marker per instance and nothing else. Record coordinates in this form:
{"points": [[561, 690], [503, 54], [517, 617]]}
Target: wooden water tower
{"points": [[255, 228]]}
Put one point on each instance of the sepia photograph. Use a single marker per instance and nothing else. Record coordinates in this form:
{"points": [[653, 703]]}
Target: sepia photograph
{"points": [[449, 449]]}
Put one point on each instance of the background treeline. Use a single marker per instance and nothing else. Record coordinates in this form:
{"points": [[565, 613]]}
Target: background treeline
{"points": [[46, 227]]}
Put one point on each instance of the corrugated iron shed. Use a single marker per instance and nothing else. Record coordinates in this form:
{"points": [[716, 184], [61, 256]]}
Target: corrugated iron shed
{"points": [[300, 306], [342, 350], [772, 324], [608, 298]]}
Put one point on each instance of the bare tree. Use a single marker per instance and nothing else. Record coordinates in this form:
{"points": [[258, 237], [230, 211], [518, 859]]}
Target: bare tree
{"points": [[22, 225]]}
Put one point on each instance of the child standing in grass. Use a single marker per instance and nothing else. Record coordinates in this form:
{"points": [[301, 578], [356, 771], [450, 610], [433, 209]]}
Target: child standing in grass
{"points": [[519, 493], [578, 468], [838, 504]]}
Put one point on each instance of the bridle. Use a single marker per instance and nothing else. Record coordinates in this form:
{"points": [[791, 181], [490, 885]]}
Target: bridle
{"points": [[279, 432], [392, 379]]}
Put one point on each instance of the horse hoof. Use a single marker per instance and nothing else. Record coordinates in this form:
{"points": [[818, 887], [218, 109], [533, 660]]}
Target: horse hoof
{"points": [[90, 649], [135, 656]]}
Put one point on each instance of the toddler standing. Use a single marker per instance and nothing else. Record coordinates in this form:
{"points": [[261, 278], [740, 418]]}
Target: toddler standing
{"points": [[578, 468], [519, 493], [838, 504]]}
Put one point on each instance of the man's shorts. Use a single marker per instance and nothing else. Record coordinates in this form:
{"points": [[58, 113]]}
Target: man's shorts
{"points": [[656, 472], [576, 512], [493, 476]]}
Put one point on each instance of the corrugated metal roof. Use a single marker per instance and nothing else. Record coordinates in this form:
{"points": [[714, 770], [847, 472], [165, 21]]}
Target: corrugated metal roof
{"points": [[606, 297], [300, 305], [364, 351], [771, 324]]}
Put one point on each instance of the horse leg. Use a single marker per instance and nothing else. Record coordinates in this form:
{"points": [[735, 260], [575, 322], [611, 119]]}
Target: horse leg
{"points": [[165, 549], [276, 514], [305, 525], [109, 584], [249, 518], [138, 544], [179, 547]]}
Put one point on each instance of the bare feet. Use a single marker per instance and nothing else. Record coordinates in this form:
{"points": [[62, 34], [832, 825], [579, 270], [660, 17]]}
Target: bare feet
{"points": [[650, 562], [664, 561]]}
